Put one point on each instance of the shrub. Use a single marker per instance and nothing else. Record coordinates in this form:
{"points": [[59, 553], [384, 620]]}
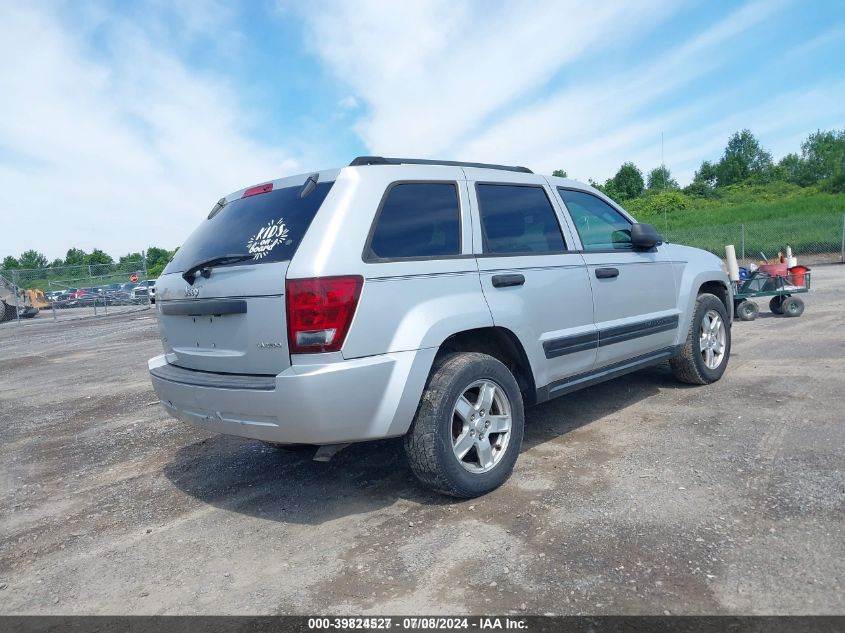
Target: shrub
{"points": [[658, 204]]}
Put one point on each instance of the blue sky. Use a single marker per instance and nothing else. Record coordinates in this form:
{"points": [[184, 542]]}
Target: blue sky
{"points": [[122, 123]]}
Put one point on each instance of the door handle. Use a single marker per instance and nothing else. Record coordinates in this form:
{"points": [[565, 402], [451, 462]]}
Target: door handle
{"points": [[503, 281], [606, 273]]}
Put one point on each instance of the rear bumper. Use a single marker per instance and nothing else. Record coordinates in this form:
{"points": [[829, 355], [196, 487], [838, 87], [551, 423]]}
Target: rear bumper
{"points": [[347, 401]]}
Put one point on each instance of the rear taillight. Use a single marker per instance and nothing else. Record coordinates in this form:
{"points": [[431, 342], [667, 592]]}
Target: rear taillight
{"points": [[320, 311]]}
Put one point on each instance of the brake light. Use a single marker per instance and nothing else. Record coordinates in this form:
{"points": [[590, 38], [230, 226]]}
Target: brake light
{"points": [[254, 191], [320, 311]]}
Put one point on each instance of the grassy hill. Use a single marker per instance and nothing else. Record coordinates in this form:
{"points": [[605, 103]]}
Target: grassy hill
{"points": [[773, 215]]}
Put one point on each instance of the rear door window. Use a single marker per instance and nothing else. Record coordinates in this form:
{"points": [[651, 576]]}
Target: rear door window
{"points": [[268, 226], [600, 226], [417, 220], [518, 219]]}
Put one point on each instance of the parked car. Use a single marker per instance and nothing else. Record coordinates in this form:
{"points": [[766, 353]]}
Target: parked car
{"points": [[143, 290], [64, 300], [88, 297], [430, 300], [113, 294]]}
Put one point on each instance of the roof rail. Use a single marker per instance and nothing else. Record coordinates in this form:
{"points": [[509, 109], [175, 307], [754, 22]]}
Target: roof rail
{"points": [[380, 160]]}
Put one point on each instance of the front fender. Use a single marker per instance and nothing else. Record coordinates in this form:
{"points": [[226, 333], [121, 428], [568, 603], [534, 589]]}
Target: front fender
{"points": [[694, 268]]}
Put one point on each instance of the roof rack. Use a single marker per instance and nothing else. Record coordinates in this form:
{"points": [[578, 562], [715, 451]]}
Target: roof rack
{"points": [[380, 160]]}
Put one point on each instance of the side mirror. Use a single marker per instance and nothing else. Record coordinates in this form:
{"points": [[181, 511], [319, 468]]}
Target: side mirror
{"points": [[645, 237]]}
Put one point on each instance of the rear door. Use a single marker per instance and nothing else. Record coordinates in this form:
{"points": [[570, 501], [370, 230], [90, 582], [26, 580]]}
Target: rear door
{"points": [[535, 285], [231, 318], [634, 292]]}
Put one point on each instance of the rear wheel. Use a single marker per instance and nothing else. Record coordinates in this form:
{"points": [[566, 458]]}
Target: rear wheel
{"points": [[776, 304], [792, 307], [705, 354], [747, 310], [467, 433]]}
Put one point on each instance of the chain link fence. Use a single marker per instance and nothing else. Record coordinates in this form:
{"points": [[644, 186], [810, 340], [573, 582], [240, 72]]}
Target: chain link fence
{"points": [[75, 292], [817, 239]]}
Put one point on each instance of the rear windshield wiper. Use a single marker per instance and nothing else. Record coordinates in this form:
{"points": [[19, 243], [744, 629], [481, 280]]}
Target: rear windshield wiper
{"points": [[221, 260]]}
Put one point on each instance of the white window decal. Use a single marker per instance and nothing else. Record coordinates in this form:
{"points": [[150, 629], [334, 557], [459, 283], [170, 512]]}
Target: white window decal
{"points": [[267, 238]]}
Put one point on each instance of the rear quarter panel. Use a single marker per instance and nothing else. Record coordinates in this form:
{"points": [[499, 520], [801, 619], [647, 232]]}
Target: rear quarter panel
{"points": [[404, 305]]}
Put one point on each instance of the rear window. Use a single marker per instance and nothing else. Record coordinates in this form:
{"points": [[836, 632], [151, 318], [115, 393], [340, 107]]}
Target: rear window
{"points": [[269, 226], [418, 219]]}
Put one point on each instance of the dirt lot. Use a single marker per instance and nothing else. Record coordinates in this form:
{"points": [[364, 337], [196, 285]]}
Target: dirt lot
{"points": [[636, 496]]}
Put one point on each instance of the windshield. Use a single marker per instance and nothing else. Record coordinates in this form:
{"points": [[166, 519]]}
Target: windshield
{"points": [[269, 226]]}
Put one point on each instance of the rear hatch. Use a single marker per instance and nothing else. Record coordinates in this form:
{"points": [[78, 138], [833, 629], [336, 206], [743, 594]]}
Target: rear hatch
{"points": [[231, 319]]}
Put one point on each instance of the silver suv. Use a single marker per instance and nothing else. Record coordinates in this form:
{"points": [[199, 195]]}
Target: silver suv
{"points": [[425, 299]]}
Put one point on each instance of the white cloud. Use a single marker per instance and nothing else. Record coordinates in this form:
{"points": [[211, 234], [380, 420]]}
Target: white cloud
{"points": [[117, 153], [591, 128], [432, 72], [469, 81], [833, 36], [348, 103]]}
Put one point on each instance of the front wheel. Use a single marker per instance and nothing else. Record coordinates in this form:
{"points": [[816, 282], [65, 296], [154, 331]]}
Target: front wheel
{"points": [[704, 356], [467, 433]]}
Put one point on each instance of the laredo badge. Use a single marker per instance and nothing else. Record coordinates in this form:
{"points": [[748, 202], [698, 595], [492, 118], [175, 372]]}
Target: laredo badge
{"points": [[267, 238]]}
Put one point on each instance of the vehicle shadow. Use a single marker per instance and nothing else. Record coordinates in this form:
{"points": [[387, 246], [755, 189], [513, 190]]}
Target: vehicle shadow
{"points": [[255, 479]]}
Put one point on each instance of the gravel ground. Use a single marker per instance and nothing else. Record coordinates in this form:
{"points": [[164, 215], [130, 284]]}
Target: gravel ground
{"points": [[636, 496]]}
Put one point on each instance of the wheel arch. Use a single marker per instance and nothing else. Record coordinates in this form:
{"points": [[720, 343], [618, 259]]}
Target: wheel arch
{"points": [[706, 282], [720, 289], [500, 343]]}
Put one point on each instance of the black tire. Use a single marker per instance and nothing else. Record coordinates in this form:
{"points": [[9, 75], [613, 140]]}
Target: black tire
{"points": [[688, 365], [792, 307], [429, 441], [776, 304], [747, 310]]}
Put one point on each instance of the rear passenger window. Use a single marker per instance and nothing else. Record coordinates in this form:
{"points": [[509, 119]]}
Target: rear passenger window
{"points": [[600, 226], [418, 219], [518, 219]]}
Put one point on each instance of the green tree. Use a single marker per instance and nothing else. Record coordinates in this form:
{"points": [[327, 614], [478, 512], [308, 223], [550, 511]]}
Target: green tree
{"points": [[98, 257], [823, 154], [703, 182], [606, 188], [32, 259], [628, 181], [129, 257], [792, 168], [75, 257], [706, 174], [157, 259], [660, 179], [744, 160], [559, 173], [57, 263], [10, 263]]}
